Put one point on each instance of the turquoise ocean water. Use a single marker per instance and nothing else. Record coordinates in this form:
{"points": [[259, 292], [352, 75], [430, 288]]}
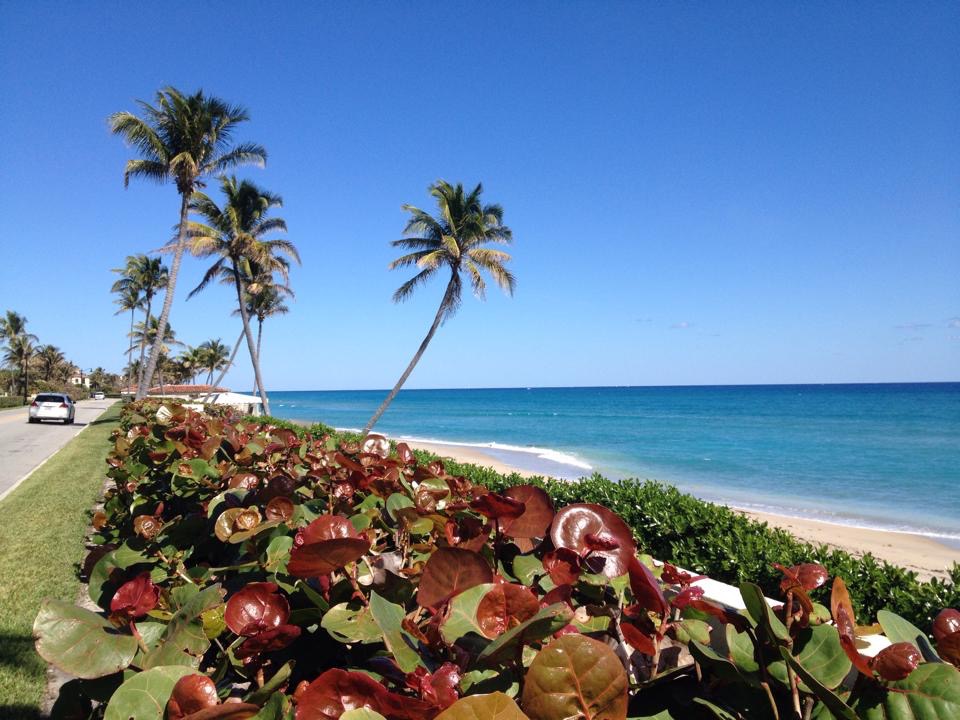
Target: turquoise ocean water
{"points": [[884, 456]]}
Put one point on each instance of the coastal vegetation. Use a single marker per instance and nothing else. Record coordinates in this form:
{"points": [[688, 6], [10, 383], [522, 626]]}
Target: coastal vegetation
{"points": [[245, 570], [453, 240]]}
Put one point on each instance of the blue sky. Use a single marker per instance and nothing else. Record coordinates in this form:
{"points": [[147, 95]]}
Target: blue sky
{"points": [[699, 194]]}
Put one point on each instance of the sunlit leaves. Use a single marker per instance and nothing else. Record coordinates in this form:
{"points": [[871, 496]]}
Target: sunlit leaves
{"points": [[448, 572]]}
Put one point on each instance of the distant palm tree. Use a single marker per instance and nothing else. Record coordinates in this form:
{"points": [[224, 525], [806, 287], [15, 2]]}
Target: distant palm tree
{"points": [[13, 325], [148, 334], [50, 358], [452, 240], [129, 299], [147, 276], [184, 139], [214, 356], [190, 360], [19, 352], [268, 302], [237, 234]]}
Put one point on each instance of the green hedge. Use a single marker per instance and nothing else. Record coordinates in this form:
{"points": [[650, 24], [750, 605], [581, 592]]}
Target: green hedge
{"points": [[10, 402], [713, 540]]}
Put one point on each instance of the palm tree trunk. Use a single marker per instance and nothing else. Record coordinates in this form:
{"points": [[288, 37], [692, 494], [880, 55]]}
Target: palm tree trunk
{"points": [[413, 363], [130, 351], [26, 379], [167, 297], [233, 355], [254, 358], [259, 337], [143, 338]]}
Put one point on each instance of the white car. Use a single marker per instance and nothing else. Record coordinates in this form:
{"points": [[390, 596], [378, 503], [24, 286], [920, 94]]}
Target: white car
{"points": [[52, 406], [99, 396]]}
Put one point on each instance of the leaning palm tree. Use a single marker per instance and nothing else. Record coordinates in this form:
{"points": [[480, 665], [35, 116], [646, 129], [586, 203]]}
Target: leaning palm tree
{"points": [[237, 234], [148, 333], [184, 139], [268, 302], [147, 276], [20, 351], [13, 325], [453, 240], [50, 358]]}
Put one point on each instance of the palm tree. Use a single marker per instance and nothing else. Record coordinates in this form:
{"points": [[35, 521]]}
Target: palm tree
{"points": [[129, 299], [237, 234], [13, 325], [268, 302], [184, 139], [20, 350], [453, 239], [148, 334], [50, 358], [214, 356], [147, 276], [190, 360]]}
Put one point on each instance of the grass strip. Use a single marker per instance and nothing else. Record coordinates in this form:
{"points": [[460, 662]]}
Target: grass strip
{"points": [[42, 526]]}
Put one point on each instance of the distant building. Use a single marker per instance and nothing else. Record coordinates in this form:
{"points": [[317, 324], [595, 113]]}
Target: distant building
{"points": [[79, 380], [196, 396]]}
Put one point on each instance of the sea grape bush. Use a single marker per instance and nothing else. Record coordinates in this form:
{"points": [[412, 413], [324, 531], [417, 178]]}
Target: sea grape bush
{"points": [[243, 570]]}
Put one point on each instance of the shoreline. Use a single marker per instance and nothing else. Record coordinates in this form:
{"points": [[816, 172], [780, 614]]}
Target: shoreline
{"points": [[923, 555]]}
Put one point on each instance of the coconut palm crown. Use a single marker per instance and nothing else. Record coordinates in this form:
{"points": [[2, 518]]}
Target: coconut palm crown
{"points": [[181, 139], [452, 240]]}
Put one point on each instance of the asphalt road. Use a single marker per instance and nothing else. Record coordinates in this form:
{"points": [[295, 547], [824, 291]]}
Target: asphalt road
{"points": [[24, 446]]}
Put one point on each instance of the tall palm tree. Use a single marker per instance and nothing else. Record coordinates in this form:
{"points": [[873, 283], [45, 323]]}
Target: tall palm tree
{"points": [[453, 240], [129, 298], [13, 325], [20, 350], [183, 139], [147, 276], [268, 302], [236, 233], [148, 333], [190, 360], [50, 358], [213, 356]]}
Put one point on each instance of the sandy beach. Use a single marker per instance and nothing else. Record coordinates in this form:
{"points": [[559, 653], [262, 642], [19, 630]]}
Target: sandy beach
{"points": [[924, 555]]}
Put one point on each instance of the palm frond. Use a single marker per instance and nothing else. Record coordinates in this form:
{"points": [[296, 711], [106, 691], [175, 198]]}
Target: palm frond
{"points": [[405, 290]]}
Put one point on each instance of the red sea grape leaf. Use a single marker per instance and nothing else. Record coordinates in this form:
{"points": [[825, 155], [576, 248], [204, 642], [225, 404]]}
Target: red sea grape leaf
{"points": [[337, 691], [468, 533], [601, 542], [280, 508], [493, 706], [498, 507], [948, 647], [405, 454], [575, 677], [326, 527], [562, 565], [845, 628], [505, 606], [536, 517], [646, 588], [946, 623], [255, 608], [840, 598], [324, 557], [572, 524], [448, 572], [268, 641], [438, 688], [739, 622], [896, 661], [809, 576], [686, 596], [191, 694], [639, 640], [671, 575], [376, 445], [135, 598]]}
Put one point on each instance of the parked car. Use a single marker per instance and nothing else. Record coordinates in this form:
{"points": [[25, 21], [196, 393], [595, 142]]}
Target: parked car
{"points": [[52, 406], [99, 396]]}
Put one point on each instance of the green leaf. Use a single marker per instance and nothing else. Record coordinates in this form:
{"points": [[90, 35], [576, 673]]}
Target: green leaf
{"points": [[761, 613], [275, 708], [80, 642], [741, 650], [144, 696], [362, 714], [278, 552], [818, 649], [836, 706], [716, 663], [931, 692], [100, 587], [690, 629], [715, 710], [462, 614], [544, 624], [526, 568], [396, 502], [575, 677], [388, 616], [257, 696], [351, 625], [185, 639], [495, 706]]}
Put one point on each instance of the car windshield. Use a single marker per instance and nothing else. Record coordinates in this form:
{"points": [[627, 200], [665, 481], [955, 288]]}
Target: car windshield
{"points": [[50, 398]]}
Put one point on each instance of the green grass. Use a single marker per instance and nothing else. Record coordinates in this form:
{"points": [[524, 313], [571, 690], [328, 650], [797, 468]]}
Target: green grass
{"points": [[42, 526]]}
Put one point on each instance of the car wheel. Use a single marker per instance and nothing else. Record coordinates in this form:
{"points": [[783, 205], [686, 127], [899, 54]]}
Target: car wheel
{"points": [[31, 420]]}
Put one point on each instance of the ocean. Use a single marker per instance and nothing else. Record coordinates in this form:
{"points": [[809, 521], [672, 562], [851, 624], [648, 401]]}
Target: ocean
{"points": [[875, 455]]}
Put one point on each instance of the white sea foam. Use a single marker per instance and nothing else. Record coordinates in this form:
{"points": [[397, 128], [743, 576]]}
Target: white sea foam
{"points": [[543, 453]]}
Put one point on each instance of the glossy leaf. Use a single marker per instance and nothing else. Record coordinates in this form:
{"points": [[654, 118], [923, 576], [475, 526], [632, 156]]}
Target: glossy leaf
{"points": [[931, 692], [351, 624], [493, 706], [504, 606], [461, 615], [542, 625], [144, 696], [79, 642], [337, 691], [575, 677], [896, 661], [326, 556], [135, 598], [573, 524], [945, 623], [836, 706], [761, 613], [255, 608], [449, 572], [537, 515], [389, 618], [646, 590], [190, 694], [818, 649]]}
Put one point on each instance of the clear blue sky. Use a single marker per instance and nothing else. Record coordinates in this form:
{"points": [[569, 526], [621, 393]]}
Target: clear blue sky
{"points": [[698, 193]]}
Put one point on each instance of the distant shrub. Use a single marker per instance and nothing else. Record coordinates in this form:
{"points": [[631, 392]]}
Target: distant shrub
{"points": [[10, 402]]}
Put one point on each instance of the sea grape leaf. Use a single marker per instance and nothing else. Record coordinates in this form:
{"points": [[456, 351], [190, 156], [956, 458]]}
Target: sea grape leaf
{"points": [[278, 553], [716, 663], [899, 630], [461, 615], [362, 714], [80, 642], [592, 529], [575, 677], [818, 649], [449, 572], [526, 568], [325, 556], [836, 706], [275, 708], [537, 514], [505, 605], [106, 575], [272, 685], [544, 624], [761, 613], [388, 616], [494, 706], [350, 625], [741, 650], [397, 501], [144, 696], [690, 629], [931, 692], [715, 710]]}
